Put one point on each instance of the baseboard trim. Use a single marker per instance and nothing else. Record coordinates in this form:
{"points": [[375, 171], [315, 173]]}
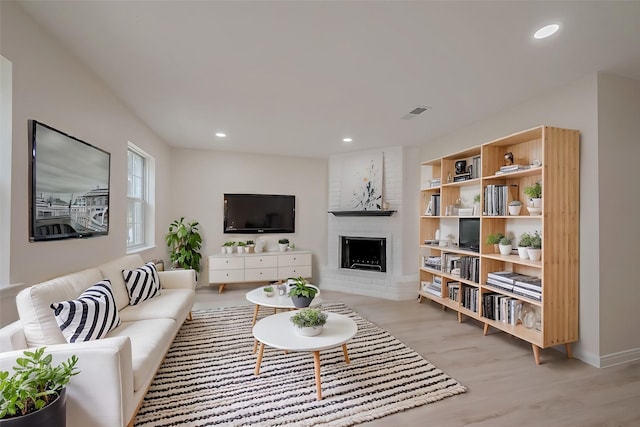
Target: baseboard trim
{"points": [[620, 358]]}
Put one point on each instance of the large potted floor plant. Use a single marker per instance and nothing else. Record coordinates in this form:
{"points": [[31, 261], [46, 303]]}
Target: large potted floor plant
{"points": [[184, 241], [35, 394]]}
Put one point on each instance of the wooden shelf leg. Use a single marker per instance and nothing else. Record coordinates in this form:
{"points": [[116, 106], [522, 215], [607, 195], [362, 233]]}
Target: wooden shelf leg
{"points": [[485, 330], [316, 364], [459, 317], [567, 347], [536, 353], [420, 299], [220, 288], [259, 360]]}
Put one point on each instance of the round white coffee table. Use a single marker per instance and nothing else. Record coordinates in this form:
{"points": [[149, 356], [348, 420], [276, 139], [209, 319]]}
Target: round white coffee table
{"points": [[276, 301], [277, 331]]}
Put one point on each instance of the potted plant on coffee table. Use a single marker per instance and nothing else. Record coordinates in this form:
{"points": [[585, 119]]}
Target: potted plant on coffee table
{"points": [[184, 242], [309, 321], [301, 292], [35, 394]]}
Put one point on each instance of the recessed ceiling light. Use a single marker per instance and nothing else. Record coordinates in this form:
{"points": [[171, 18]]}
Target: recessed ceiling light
{"points": [[347, 139], [221, 134], [546, 31]]}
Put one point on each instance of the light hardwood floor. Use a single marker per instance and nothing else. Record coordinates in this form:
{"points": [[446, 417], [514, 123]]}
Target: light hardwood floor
{"points": [[505, 386]]}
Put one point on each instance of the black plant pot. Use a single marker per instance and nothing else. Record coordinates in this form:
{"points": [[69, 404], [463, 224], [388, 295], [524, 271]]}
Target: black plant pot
{"points": [[301, 302], [52, 415]]}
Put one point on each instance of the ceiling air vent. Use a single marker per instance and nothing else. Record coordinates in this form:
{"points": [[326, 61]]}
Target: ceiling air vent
{"points": [[415, 112]]}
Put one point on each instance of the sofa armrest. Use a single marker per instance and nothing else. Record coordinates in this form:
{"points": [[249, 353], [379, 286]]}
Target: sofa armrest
{"points": [[178, 279], [12, 337], [102, 393]]}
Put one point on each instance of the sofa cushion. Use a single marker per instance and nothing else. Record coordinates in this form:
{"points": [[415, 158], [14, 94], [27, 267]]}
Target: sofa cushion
{"points": [[150, 340], [34, 305], [171, 304], [142, 283], [90, 316], [113, 271]]}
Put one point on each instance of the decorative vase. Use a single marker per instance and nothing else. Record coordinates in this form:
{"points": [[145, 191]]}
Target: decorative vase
{"points": [[309, 331], [52, 415], [505, 249], [522, 252], [301, 302], [514, 210], [534, 254], [229, 249]]}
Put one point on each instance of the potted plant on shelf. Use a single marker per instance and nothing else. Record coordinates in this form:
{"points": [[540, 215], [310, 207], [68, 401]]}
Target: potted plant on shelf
{"points": [[494, 239], [523, 244], [476, 205], [309, 321], [283, 244], [534, 192], [35, 395], [250, 245], [228, 246], [514, 207], [535, 250], [241, 247], [505, 245], [184, 243], [301, 292]]}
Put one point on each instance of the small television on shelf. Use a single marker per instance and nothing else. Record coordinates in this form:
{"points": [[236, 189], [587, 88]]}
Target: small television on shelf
{"points": [[469, 234], [259, 213], [69, 186]]}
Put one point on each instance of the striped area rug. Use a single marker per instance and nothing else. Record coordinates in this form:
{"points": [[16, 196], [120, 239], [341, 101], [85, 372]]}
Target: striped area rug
{"points": [[207, 378]]}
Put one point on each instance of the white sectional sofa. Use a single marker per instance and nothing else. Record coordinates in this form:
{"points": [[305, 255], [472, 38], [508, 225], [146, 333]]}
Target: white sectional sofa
{"points": [[116, 370]]}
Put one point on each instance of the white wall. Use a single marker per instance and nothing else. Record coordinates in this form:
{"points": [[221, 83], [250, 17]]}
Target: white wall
{"points": [[200, 178], [575, 107], [619, 155], [52, 86], [6, 92]]}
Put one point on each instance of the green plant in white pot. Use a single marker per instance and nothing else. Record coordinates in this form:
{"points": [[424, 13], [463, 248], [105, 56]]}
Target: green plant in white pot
{"points": [[505, 245], [514, 207], [309, 321], [35, 394], [523, 244], [535, 250], [534, 192]]}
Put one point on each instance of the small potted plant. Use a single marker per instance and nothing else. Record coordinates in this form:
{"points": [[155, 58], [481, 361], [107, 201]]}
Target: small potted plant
{"points": [[309, 321], [476, 205], [514, 207], [301, 292], [494, 239], [534, 192], [228, 246], [268, 291], [35, 394], [283, 244], [535, 250], [523, 244], [505, 245], [241, 246], [250, 246]]}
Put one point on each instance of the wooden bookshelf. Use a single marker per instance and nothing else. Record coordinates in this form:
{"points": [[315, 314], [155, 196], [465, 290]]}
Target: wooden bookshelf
{"points": [[547, 155]]}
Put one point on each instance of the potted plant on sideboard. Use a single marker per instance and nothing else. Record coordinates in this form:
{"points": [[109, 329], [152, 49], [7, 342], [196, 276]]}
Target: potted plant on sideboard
{"points": [[301, 292], [184, 243], [35, 395], [283, 244], [309, 321]]}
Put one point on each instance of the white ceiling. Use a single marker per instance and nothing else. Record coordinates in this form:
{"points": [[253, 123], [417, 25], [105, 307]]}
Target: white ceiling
{"points": [[295, 77]]}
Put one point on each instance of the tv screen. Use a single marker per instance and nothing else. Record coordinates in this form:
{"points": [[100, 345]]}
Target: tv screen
{"points": [[259, 213], [69, 184], [469, 234]]}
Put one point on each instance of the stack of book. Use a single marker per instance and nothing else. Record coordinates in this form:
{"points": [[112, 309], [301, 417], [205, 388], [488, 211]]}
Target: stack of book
{"points": [[434, 287], [519, 284], [432, 262], [435, 182], [511, 168]]}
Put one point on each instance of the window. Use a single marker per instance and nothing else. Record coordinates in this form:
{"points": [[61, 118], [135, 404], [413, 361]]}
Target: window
{"points": [[140, 216]]}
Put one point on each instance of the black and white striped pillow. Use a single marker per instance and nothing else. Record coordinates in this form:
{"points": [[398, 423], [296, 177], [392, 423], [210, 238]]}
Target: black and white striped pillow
{"points": [[142, 283], [90, 316]]}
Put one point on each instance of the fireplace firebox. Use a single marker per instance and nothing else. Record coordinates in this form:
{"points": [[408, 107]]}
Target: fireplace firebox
{"points": [[363, 253]]}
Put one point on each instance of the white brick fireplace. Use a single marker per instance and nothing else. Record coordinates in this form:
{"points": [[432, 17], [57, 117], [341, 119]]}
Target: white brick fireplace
{"points": [[400, 191]]}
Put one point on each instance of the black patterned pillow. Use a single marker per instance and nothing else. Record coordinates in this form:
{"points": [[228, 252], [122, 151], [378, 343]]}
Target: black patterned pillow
{"points": [[142, 283], [90, 316]]}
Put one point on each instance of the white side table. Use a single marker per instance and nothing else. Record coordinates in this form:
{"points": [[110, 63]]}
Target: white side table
{"points": [[276, 301], [277, 331]]}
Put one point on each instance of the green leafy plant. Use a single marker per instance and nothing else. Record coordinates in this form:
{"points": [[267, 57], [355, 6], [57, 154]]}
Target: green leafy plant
{"points": [[184, 242], [536, 241], [34, 383], [250, 242], [299, 288], [241, 244], [268, 289], [494, 239], [533, 191], [309, 317], [476, 198], [229, 243], [505, 241], [525, 240], [283, 241]]}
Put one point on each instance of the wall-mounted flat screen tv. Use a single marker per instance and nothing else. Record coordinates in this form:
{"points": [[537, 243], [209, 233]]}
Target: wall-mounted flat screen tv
{"points": [[69, 184], [259, 213]]}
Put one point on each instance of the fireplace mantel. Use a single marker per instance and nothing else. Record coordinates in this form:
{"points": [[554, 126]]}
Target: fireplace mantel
{"points": [[362, 213]]}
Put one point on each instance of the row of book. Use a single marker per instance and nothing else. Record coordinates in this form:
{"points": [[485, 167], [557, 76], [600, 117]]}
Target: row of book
{"points": [[432, 262], [519, 284], [433, 208], [501, 308], [470, 298], [497, 198], [435, 182]]}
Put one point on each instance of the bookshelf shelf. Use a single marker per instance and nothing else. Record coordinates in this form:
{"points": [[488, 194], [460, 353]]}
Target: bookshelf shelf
{"points": [[544, 154]]}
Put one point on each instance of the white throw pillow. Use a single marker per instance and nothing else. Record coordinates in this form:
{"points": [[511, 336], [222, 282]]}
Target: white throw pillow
{"points": [[142, 283], [90, 316]]}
